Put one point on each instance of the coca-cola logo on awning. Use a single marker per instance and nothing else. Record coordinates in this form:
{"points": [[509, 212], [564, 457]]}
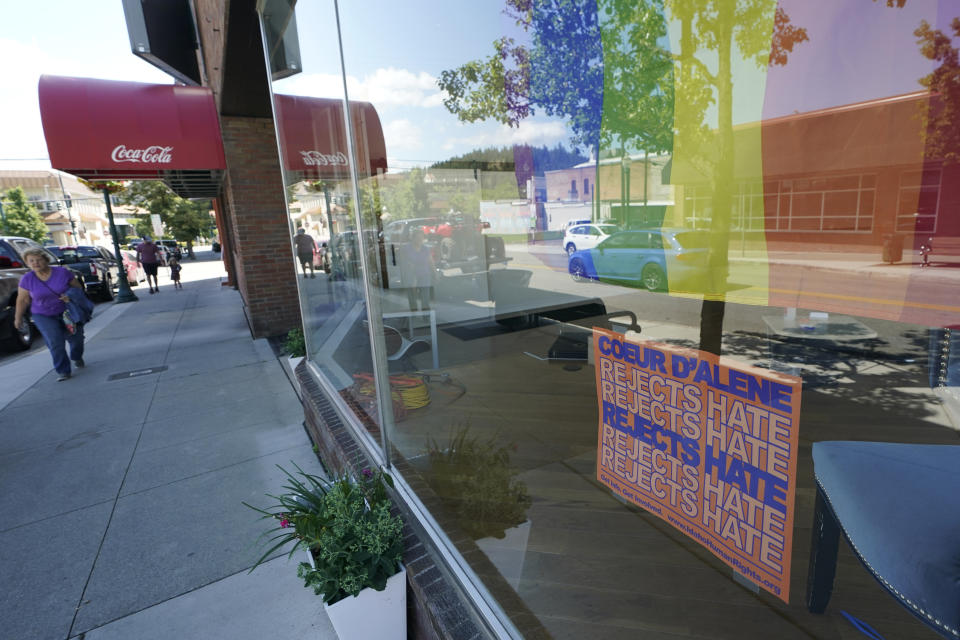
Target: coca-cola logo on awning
{"points": [[150, 155], [317, 159]]}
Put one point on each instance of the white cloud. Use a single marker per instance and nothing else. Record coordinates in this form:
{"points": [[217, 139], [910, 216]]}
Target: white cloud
{"points": [[320, 85], [21, 131], [401, 87], [383, 87], [402, 134], [529, 132]]}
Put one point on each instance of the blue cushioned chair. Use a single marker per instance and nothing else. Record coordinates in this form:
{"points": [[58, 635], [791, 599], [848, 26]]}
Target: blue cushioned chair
{"points": [[898, 505]]}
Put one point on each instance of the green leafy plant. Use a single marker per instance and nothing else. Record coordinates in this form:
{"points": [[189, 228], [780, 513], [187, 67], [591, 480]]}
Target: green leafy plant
{"points": [[347, 526], [474, 480], [295, 345], [20, 216]]}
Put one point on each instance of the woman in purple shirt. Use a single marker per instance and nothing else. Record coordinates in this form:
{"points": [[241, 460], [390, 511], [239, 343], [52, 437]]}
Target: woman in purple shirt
{"points": [[43, 290]]}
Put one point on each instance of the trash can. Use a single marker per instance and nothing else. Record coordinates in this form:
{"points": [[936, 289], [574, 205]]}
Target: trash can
{"points": [[892, 248]]}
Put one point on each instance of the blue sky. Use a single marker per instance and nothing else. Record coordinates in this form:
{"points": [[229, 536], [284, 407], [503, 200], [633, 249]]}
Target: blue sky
{"points": [[60, 37], [395, 51], [858, 50]]}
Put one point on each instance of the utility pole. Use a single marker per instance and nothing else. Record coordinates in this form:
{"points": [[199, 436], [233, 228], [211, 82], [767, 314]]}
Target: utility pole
{"points": [[68, 202]]}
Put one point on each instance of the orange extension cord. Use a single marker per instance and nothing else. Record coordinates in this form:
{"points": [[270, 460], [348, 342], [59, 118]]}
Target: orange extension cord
{"points": [[408, 390]]}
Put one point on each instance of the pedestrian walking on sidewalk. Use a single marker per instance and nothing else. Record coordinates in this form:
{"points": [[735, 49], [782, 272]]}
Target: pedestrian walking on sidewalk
{"points": [[148, 255], [175, 268], [305, 247], [43, 290]]}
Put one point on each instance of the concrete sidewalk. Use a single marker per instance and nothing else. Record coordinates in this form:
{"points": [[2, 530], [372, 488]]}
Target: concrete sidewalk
{"points": [[120, 510]]}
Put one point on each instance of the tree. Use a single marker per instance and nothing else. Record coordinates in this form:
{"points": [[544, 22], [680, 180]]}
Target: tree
{"points": [[602, 66], [407, 197], [585, 51], [190, 220], [942, 119], [184, 219], [21, 217], [721, 28], [560, 72]]}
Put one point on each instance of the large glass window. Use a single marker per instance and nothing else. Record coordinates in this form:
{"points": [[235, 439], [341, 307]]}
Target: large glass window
{"points": [[637, 439], [917, 203], [333, 228]]}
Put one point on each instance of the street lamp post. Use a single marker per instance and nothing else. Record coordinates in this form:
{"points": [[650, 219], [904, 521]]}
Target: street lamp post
{"points": [[69, 205], [326, 199], [124, 294]]}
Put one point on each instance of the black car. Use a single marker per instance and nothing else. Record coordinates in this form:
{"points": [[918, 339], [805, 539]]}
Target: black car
{"points": [[97, 266], [170, 248], [12, 268]]}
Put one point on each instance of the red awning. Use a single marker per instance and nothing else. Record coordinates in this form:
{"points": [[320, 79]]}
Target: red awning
{"points": [[108, 130], [313, 140]]}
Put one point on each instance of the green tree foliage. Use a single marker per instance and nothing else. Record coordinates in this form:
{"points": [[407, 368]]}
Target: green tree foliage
{"points": [[152, 195], [143, 226], [504, 171], [638, 82], [503, 159], [190, 220], [184, 219], [583, 55], [495, 87], [518, 80], [730, 30], [22, 218], [407, 196], [943, 120], [615, 52]]}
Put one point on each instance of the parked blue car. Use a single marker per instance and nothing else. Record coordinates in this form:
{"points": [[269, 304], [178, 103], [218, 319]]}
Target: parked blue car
{"points": [[649, 258]]}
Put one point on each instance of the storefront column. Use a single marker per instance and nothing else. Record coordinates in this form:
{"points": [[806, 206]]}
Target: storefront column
{"points": [[261, 247]]}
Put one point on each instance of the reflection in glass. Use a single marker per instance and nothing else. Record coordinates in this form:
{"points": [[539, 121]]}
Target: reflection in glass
{"points": [[314, 153], [774, 197]]}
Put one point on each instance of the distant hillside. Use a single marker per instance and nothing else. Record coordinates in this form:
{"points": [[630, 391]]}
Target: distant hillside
{"points": [[535, 160]]}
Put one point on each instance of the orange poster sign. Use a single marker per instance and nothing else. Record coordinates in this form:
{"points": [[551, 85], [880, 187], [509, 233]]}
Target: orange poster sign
{"points": [[706, 444]]}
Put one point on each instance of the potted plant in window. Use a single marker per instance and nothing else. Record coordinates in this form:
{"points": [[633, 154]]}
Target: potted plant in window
{"points": [[474, 480], [353, 544]]}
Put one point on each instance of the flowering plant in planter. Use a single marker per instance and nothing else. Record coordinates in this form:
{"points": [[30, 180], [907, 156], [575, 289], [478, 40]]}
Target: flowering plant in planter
{"points": [[346, 525]]}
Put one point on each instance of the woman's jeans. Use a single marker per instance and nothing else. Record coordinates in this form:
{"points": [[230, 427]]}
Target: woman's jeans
{"points": [[55, 334]]}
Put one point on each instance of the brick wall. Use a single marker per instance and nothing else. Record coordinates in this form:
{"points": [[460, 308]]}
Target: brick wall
{"points": [[262, 254], [435, 610]]}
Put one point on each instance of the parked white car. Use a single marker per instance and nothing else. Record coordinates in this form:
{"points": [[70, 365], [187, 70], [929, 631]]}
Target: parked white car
{"points": [[586, 236], [573, 223]]}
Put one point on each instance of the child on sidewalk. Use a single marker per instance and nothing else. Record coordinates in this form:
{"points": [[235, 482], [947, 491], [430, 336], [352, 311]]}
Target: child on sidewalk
{"points": [[174, 265]]}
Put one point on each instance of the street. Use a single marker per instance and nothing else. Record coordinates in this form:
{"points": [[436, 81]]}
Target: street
{"points": [[889, 359]]}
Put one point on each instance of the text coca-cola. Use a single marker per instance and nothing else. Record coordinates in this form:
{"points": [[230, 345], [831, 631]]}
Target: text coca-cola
{"points": [[150, 155], [317, 159]]}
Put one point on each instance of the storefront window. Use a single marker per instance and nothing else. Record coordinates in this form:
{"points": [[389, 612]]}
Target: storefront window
{"points": [[319, 169], [623, 405]]}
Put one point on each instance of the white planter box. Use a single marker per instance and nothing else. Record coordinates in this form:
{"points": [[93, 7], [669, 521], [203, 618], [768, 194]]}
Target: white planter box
{"points": [[379, 615], [292, 362]]}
